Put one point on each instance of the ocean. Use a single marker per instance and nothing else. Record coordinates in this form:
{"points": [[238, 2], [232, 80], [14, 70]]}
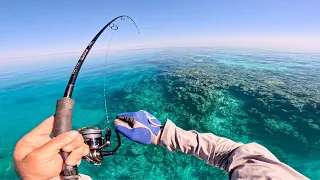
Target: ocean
{"points": [[272, 98]]}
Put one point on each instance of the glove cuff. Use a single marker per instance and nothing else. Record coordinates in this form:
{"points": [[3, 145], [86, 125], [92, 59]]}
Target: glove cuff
{"points": [[159, 136]]}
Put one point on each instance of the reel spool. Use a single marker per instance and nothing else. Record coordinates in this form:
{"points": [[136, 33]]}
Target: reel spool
{"points": [[93, 137]]}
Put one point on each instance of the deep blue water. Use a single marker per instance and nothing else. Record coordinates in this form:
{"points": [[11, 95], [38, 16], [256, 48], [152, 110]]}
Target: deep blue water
{"points": [[247, 95]]}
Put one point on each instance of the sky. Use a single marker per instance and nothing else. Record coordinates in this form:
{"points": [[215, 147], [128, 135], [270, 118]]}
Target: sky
{"points": [[32, 28]]}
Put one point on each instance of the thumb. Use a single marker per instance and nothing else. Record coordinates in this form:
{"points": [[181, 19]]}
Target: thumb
{"points": [[57, 143]]}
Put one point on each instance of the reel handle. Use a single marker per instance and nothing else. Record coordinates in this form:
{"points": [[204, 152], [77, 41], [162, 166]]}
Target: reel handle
{"points": [[62, 124], [108, 153]]}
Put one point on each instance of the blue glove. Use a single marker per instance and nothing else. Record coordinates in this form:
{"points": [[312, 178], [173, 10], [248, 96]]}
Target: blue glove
{"points": [[141, 127]]}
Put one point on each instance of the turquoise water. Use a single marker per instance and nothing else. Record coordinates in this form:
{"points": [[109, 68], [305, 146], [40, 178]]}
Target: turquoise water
{"points": [[268, 97]]}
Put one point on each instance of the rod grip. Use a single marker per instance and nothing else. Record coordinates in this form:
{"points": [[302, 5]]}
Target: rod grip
{"points": [[62, 124]]}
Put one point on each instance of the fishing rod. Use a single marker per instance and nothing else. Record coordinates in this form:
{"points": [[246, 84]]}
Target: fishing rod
{"points": [[92, 136]]}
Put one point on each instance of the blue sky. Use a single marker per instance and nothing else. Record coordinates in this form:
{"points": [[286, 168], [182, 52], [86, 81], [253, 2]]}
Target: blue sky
{"points": [[44, 27]]}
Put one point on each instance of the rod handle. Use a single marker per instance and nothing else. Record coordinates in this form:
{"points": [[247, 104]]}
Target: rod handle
{"points": [[63, 124]]}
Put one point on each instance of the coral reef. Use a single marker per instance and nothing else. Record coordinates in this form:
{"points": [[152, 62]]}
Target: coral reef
{"points": [[224, 94], [246, 95]]}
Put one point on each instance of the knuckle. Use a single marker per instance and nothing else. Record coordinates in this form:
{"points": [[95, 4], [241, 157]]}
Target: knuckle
{"points": [[33, 155], [78, 142], [62, 137], [58, 140], [80, 139]]}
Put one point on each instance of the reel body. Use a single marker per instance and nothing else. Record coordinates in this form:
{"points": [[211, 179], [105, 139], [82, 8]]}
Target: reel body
{"points": [[93, 137]]}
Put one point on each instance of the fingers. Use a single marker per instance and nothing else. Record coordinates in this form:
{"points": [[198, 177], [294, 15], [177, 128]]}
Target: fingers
{"points": [[78, 148], [57, 143], [70, 141], [45, 128], [127, 119], [76, 155], [119, 122], [77, 143]]}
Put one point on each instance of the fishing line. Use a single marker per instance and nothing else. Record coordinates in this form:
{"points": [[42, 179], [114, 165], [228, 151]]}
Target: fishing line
{"points": [[104, 80], [69, 89]]}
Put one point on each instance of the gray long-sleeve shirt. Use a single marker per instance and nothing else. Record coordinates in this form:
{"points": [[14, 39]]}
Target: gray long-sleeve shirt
{"points": [[240, 161]]}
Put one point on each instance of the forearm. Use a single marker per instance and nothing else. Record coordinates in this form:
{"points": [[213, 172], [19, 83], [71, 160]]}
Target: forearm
{"points": [[245, 161], [212, 149]]}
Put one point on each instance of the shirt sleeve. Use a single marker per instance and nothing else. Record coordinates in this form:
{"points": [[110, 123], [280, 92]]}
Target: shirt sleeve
{"points": [[240, 161]]}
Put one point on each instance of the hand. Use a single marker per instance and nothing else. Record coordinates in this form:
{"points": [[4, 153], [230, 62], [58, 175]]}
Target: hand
{"points": [[140, 127], [36, 155]]}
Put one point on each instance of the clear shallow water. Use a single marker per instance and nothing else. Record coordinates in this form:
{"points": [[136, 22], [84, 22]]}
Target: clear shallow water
{"points": [[268, 97]]}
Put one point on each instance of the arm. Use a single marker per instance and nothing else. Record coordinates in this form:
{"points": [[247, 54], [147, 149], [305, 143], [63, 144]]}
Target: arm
{"points": [[240, 161]]}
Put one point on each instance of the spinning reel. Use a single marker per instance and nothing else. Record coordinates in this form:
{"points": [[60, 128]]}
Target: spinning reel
{"points": [[93, 137]]}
